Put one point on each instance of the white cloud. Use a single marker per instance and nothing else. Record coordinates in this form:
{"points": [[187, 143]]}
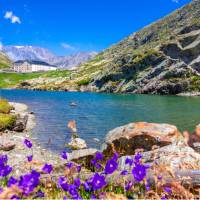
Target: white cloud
{"points": [[68, 46], [13, 18], [175, 1]]}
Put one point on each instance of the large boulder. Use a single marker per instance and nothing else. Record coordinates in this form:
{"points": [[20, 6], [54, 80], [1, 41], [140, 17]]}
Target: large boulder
{"points": [[126, 139]]}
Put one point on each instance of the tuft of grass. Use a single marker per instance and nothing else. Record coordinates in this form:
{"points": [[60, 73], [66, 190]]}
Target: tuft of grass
{"points": [[84, 82], [5, 107], [7, 121]]}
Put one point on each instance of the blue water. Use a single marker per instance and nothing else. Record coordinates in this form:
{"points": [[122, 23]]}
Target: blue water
{"points": [[96, 114]]}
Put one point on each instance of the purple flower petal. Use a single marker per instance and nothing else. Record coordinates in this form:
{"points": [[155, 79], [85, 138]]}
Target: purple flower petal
{"points": [[62, 182], [78, 168], [129, 161], [139, 172], [15, 197], [47, 168], [98, 181], [11, 181], [30, 158], [64, 155], [168, 190], [39, 194], [111, 166], [124, 172], [77, 182], [28, 143], [69, 165], [99, 156]]}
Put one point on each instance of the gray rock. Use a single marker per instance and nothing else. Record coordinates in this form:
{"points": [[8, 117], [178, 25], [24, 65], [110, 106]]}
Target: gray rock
{"points": [[175, 156]]}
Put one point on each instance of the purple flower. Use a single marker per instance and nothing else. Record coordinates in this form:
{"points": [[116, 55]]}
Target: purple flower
{"points": [[3, 159], [78, 168], [5, 170], [93, 161], [98, 166], [124, 172], [98, 181], [15, 197], [64, 155], [62, 182], [39, 194], [129, 161], [64, 198], [11, 181], [139, 172], [86, 186], [29, 182], [93, 196], [163, 198], [99, 156], [168, 190], [69, 165], [111, 166], [47, 168], [147, 185], [138, 157], [28, 143], [159, 178], [73, 192], [115, 156], [30, 158], [129, 185], [77, 182]]}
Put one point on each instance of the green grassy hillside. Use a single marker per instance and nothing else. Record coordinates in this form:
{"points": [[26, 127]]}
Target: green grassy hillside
{"points": [[9, 80]]}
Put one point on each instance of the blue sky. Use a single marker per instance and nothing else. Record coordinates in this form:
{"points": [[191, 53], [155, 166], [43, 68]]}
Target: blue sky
{"points": [[67, 26]]}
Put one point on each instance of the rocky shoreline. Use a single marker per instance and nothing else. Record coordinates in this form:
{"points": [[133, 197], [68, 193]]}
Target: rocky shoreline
{"points": [[18, 155]]}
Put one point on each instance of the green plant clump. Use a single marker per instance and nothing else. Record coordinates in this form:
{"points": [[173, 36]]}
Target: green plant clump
{"points": [[7, 121], [5, 107], [84, 81]]}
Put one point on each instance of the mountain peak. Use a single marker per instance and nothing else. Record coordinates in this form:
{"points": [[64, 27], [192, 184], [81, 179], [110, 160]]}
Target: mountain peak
{"points": [[16, 53]]}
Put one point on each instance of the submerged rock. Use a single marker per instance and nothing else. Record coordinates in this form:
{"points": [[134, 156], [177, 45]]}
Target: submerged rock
{"points": [[126, 139]]}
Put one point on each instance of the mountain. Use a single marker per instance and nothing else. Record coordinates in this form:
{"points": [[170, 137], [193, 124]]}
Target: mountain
{"points": [[71, 61], [4, 61], [16, 53], [162, 58]]}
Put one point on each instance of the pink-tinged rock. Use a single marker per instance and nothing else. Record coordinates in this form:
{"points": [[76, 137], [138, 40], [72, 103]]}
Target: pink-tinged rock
{"points": [[140, 135]]}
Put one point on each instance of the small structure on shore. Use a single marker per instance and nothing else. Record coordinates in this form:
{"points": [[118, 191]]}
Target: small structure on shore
{"points": [[27, 66]]}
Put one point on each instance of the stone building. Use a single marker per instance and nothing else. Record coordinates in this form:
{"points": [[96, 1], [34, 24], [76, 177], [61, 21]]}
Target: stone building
{"points": [[27, 66]]}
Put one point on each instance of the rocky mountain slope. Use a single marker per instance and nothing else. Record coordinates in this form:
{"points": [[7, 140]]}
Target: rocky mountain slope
{"points": [[162, 58], [41, 54], [4, 61]]}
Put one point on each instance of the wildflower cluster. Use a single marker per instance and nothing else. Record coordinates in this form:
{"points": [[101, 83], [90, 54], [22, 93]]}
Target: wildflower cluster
{"points": [[30, 184]]}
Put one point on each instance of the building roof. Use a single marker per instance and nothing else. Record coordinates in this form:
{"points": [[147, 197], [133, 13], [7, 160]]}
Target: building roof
{"points": [[35, 62]]}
